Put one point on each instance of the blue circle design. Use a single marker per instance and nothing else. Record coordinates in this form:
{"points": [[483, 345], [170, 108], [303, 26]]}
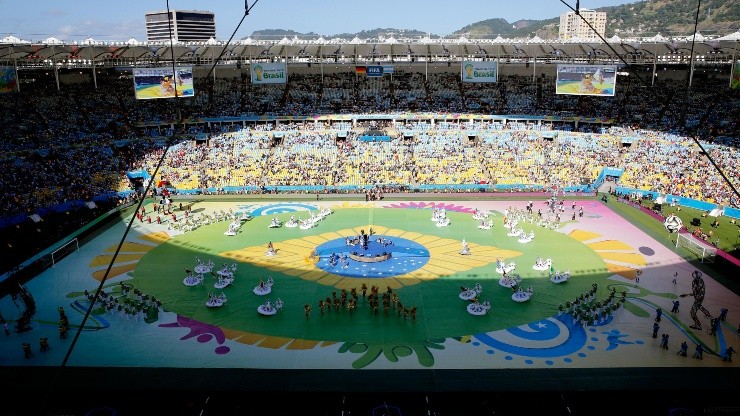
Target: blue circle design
{"points": [[272, 209], [405, 257], [529, 361], [576, 339], [489, 352], [548, 362], [567, 360], [581, 354], [591, 347], [594, 339], [509, 357]]}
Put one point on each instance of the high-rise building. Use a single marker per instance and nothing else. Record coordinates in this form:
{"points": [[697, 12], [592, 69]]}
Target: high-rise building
{"points": [[187, 25], [573, 26]]}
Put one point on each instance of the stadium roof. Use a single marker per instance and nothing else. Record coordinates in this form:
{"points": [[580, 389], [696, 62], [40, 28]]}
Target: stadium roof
{"points": [[367, 51]]}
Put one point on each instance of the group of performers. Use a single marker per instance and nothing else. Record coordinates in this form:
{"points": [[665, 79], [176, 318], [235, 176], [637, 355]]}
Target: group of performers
{"points": [[264, 287], [313, 220], [542, 264], [485, 225], [216, 301], [233, 228], [335, 258], [292, 222], [275, 223], [268, 309], [361, 239], [502, 267], [188, 221], [559, 276], [475, 307], [480, 214], [270, 250], [202, 267], [192, 279], [510, 280], [465, 251], [439, 215], [225, 276], [521, 295]]}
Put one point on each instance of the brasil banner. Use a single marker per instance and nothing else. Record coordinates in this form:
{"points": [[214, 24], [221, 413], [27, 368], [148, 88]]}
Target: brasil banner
{"points": [[269, 73], [479, 71]]}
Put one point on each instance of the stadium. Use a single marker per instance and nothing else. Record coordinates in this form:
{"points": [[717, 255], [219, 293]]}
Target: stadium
{"points": [[376, 226]]}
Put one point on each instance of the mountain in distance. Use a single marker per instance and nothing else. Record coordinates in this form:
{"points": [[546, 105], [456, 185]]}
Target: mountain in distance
{"points": [[277, 34], [272, 34], [491, 28], [640, 18], [673, 17]]}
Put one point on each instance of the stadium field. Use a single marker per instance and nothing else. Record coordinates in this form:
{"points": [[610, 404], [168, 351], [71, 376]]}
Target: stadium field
{"points": [[450, 339]]}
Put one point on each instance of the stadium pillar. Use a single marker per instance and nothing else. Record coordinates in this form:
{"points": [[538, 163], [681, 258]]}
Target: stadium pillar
{"points": [[56, 70], [732, 64], [534, 70], [655, 63], [56, 74], [92, 65], [691, 68], [213, 59], [18, 79]]}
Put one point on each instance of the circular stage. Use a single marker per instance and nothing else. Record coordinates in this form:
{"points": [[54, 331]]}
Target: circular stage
{"points": [[384, 256]]}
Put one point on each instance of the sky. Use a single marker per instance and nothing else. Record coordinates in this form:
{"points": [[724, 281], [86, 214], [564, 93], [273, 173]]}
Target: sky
{"points": [[120, 20]]}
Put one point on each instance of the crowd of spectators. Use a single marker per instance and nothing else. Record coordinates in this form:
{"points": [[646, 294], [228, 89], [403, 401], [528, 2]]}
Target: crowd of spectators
{"points": [[79, 142]]}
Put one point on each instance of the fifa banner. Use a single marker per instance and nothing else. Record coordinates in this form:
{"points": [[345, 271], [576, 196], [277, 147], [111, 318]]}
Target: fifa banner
{"points": [[734, 83], [269, 73], [374, 71], [150, 83], [479, 71], [7, 79], [586, 79]]}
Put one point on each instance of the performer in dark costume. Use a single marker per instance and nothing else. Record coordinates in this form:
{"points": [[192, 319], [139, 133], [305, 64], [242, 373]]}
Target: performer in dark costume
{"points": [[697, 291]]}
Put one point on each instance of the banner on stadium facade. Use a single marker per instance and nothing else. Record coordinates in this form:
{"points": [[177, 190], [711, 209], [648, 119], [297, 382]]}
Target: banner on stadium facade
{"points": [[151, 83], [7, 79], [479, 71], [576, 79], [735, 81], [270, 73], [374, 71]]}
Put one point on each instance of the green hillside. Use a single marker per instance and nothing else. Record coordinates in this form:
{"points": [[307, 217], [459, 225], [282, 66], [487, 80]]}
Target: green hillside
{"points": [[641, 18]]}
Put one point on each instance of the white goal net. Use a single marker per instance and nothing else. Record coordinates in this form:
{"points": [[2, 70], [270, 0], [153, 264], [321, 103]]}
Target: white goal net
{"points": [[705, 252]]}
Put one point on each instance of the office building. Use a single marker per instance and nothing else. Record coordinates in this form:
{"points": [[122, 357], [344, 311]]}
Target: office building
{"points": [[573, 26], [187, 25]]}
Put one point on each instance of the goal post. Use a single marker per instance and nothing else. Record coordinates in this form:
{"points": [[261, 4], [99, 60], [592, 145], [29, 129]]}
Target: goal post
{"points": [[64, 250], [705, 252]]}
